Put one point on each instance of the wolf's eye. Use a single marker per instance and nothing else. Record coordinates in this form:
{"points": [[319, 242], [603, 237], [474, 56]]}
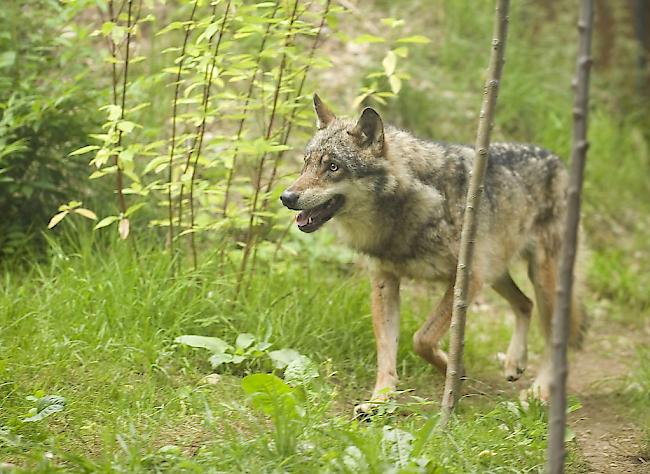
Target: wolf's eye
{"points": [[334, 166]]}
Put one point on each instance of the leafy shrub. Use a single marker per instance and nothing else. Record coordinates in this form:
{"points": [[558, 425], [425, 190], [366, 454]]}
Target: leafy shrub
{"points": [[45, 112]]}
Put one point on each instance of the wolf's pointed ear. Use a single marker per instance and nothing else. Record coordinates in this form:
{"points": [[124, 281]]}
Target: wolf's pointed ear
{"points": [[325, 115], [369, 129]]}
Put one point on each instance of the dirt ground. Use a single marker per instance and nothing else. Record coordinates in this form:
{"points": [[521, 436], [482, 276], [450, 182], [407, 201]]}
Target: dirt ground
{"points": [[607, 434]]}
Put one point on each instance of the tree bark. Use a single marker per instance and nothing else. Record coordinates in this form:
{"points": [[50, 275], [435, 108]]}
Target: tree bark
{"points": [[468, 235], [561, 315]]}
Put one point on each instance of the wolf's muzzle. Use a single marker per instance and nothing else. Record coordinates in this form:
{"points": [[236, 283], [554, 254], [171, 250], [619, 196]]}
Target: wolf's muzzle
{"points": [[289, 199]]}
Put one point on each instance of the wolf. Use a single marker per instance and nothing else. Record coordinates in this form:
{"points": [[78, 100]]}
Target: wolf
{"points": [[400, 201]]}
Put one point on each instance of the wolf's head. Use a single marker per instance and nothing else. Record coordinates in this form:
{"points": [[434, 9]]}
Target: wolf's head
{"points": [[342, 161]]}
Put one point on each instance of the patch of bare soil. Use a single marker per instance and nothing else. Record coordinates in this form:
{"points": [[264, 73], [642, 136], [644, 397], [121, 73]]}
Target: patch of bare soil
{"points": [[607, 434]]}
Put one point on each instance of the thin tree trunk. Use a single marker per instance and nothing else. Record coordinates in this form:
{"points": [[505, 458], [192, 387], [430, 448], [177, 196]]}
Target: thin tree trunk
{"points": [[561, 316], [468, 235]]}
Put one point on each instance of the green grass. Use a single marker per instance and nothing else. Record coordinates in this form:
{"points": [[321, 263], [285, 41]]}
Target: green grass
{"points": [[98, 329]]}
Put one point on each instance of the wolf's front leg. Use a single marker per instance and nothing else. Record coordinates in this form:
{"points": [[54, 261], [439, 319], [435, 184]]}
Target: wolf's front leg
{"points": [[385, 321]]}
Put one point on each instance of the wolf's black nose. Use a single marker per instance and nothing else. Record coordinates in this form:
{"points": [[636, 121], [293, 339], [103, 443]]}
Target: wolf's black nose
{"points": [[289, 198]]}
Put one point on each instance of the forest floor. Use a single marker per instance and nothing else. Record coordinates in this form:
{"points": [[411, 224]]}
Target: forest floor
{"points": [[609, 437]]}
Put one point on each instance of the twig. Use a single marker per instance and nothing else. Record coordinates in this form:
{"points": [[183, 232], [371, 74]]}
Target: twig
{"points": [[561, 315], [250, 234], [249, 96], [206, 100], [170, 176], [470, 221]]}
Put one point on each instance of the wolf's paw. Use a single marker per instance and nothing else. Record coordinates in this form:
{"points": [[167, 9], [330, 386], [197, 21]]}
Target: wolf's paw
{"points": [[514, 365], [364, 411]]}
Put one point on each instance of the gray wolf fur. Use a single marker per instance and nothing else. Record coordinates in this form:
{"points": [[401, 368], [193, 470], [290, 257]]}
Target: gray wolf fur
{"points": [[400, 201]]}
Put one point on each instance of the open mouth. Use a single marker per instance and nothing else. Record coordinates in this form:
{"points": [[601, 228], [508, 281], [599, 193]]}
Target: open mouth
{"points": [[312, 219]]}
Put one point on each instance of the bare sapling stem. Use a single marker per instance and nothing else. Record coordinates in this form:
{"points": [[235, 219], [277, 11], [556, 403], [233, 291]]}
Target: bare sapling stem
{"points": [[119, 180], [561, 315], [250, 233], [197, 153], [288, 122], [170, 174], [242, 121], [464, 277]]}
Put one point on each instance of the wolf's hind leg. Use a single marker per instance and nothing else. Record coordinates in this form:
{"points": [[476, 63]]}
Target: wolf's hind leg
{"points": [[425, 340], [517, 356]]}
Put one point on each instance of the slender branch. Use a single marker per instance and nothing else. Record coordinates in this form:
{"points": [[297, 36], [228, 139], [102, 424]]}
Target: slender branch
{"points": [[288, 122], [561, 315], [170, 176], [119, 181], [249, 96], [470, 221], [250, 233], [195, 139], [202, 131]]}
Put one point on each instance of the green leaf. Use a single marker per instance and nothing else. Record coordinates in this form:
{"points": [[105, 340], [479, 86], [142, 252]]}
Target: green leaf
{"points": [[126, 126], [221, 358], [270, 394], [244, 340], [213, 344], [57, 218], [417, 39], [402, 51], [300, 371], [85, 149], [106, 221], [45, 407], [134, 208], [395, 84], [283, 357], [87, 213], [389, 63], [366, 38]]}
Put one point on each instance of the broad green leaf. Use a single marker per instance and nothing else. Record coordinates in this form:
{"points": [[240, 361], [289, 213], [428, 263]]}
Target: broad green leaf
{"points": [[87, 213], [45, 407], [270, 394], [106, 221], [300, 371], [283, 357], [389, 63], [85, 149], [57, 218], [213, 344], [134, 208], [417, 39], [395, 84], [220, 358], [126, 126], [244, 340], [366, 38]]}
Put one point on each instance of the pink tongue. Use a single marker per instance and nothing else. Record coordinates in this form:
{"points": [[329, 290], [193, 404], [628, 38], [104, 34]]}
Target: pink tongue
{"points": [[302, 218]]}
